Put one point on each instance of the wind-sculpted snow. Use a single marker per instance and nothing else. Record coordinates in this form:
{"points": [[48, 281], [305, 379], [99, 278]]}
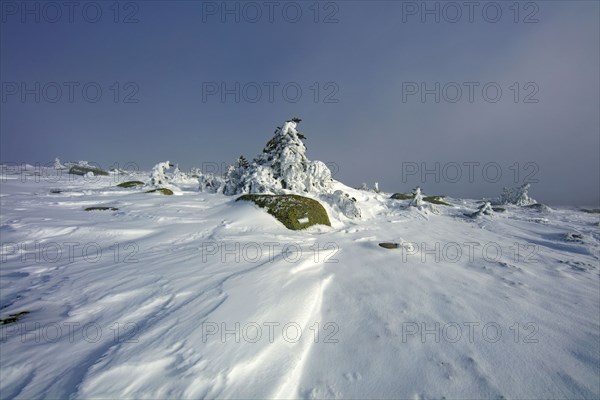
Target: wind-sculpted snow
{"points": [[199, 296]]}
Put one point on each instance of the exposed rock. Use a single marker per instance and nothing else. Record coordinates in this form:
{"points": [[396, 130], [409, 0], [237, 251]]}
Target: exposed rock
{"points": [[293, 211]]}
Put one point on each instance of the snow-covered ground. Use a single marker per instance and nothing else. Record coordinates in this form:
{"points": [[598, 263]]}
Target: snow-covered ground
{"points": [[197, 296]]}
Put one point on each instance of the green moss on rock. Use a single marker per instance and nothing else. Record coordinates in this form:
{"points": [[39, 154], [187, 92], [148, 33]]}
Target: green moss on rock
{"points": [[293, 211], [436, 200], [428, 199], [165, 191], [130, 184], [403, 196], [82, 170]]}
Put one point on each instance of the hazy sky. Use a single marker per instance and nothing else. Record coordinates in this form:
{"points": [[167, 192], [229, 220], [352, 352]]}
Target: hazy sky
{"points": [[389, 89]]}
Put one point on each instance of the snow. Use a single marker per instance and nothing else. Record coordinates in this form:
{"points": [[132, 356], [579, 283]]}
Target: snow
{"points": [[197, 296]]}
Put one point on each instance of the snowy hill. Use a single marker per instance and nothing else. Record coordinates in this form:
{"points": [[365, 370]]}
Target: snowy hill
{"points": [[198, 296]]}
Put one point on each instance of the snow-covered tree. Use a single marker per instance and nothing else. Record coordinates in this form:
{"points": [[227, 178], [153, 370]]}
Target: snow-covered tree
{"points": [[158, 176], [376, 187], [417, 201], [181, 177], [211, 183], [235, 176], [518, 196], [282, 166], [345, 204], [522, 196], [506, 197], [484, 209], [58, 164]]}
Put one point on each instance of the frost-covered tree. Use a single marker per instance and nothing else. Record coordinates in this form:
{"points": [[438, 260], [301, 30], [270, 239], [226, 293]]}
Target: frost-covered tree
{"points": [[233, 181], [158, 176], [281, 166], [376, 187], [58, 164], [518, 196], [417, 201], [363, 186], [522, 196], [211, 183], [506, 197], [180, 177], [345, 204], [484, 209]]}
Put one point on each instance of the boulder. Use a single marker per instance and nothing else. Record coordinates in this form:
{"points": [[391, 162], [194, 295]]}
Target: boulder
{"points": [[84, 169], [293, 211]]}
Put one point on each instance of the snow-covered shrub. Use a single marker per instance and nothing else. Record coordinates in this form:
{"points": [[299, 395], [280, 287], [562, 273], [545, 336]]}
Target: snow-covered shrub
{"points": [[211, 183], [518, 196], [506, 197], [522, 196], [180, 177], [417, 201], [58, 164], [158, 176], [235, 176], [345, 204], [484, 209]]}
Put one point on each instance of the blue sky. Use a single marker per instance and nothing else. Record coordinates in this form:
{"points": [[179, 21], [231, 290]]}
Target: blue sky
{"points": [[161, 66]]}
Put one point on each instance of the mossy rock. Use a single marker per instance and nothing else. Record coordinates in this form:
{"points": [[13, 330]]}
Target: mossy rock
{"points": [[403, 196], [130, 184], [82, 170], [436, 200], [165, 191], [538, 207], [293, 211], [591, 211], [428, 199], [101, 209], [12, 318]]}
